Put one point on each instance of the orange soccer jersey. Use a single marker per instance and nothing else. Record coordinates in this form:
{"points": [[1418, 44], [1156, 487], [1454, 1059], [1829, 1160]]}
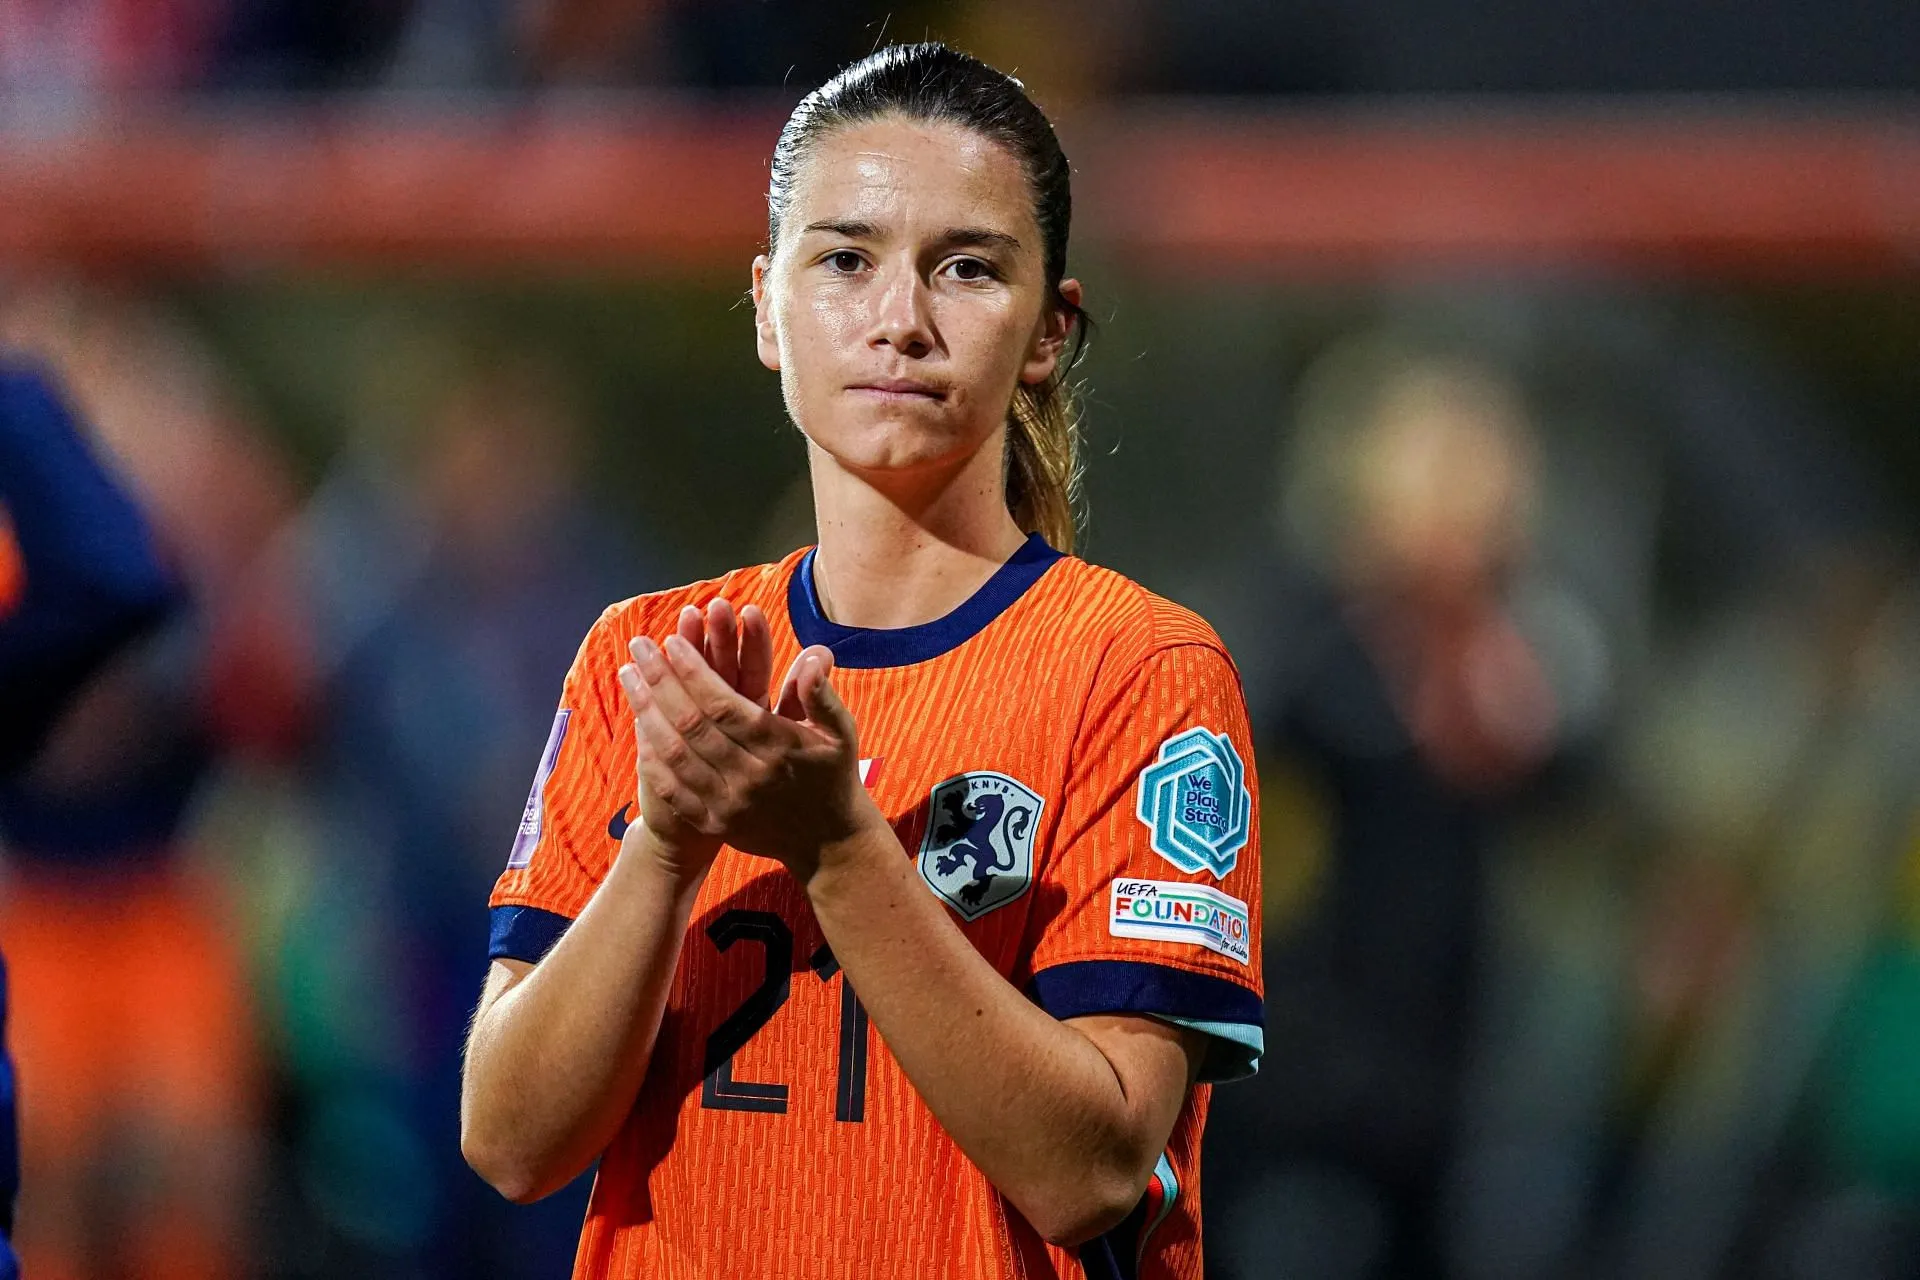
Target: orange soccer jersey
{"points": [[1066, 758]]}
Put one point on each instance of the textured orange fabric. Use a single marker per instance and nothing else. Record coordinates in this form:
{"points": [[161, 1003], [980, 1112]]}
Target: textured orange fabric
{"points": [[807, 1152]]}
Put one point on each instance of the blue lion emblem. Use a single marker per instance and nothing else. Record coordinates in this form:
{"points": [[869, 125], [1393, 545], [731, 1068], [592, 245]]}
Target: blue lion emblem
{"points": [[966, 827], [978, 850]]}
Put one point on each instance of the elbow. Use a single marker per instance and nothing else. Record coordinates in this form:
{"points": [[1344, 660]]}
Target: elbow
{"points": [[1070, 1215], [511, 1174]]}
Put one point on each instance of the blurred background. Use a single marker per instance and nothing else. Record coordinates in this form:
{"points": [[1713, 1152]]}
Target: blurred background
{"points": [[1529, 394]]}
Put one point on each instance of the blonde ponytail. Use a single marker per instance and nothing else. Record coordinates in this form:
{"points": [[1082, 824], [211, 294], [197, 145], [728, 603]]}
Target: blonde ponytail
{"points": [[1043, 460]]}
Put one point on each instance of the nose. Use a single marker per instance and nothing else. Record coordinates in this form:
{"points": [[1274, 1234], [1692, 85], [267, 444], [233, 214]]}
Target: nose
{"points": [[902, 319]]}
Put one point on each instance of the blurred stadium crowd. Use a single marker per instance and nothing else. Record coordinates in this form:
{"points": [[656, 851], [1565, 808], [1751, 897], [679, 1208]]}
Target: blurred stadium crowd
{"points": [[1580, 621], [74, 49]]}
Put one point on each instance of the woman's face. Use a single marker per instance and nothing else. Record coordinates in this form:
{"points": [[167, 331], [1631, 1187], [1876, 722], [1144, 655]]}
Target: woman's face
{"points": [[907, 296]]}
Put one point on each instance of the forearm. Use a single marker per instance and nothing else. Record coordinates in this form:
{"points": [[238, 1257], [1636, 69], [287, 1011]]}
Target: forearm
{"points": [[1063, 1120], [554, 1063], [1032, 1101]]}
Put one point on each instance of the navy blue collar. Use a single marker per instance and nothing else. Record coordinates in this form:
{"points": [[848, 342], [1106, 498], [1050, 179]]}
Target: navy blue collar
{"points": [[902, 646]]}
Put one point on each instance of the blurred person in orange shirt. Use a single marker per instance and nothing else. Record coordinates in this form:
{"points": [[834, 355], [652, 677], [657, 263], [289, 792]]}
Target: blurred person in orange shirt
{"points": [[79, 580], [133, 1028]]}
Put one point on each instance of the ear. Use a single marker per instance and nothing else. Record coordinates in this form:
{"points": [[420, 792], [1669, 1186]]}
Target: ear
{"points": [[1050, 340], [766, 339]]}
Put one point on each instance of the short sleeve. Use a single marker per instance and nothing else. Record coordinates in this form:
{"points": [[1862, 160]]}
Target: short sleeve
{"points": [[574, 816], [1149, 897]]}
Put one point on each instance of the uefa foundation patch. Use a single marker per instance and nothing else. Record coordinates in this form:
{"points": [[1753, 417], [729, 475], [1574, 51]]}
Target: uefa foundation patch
{"points": [[1194, 799], [1167, 911], [533, 817]]}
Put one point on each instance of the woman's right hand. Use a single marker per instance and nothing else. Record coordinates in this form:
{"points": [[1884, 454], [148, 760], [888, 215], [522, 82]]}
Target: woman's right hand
{"points": [[738, 648]]}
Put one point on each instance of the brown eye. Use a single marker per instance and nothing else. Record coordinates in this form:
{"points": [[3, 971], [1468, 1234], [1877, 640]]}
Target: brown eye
{"points": [[970, 269], [844, 261]]}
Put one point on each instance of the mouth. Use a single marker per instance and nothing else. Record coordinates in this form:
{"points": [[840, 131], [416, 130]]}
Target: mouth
{"points": [[900, 391]]}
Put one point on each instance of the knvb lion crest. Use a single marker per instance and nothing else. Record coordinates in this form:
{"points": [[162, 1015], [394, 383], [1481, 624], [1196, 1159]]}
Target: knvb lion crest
{"points": [[1194, 799], [978, 850]]}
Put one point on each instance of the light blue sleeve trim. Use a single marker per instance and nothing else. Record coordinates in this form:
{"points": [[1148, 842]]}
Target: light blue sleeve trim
{"points": [[1233, 1050]]}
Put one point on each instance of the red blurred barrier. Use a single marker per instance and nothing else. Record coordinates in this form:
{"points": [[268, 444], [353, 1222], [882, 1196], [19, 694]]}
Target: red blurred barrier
{"points": [[1729, 194], [1732, 190], [372, 188]]}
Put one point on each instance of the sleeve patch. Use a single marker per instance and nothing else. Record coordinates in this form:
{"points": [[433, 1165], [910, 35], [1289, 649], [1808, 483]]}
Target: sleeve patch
{"points": [[532, 817], [1195, 801], [1170, 911]]}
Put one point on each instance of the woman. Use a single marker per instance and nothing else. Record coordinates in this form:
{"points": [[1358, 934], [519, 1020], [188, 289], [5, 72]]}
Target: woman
{"points": [[1000, 794]]}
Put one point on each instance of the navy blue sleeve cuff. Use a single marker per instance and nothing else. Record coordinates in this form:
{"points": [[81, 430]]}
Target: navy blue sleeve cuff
{"points": [[524, 933], [1231, 1015]]}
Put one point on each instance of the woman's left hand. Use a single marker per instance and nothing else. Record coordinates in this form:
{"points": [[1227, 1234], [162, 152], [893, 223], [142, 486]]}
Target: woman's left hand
{"points": [[781, 783]]}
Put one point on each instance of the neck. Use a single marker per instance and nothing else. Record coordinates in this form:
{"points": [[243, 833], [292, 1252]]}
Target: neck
{"points": [[908, 555]]}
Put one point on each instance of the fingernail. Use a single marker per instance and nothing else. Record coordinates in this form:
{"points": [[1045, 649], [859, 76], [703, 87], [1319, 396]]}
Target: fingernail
{"points": [[647, 648], [678, 648]]}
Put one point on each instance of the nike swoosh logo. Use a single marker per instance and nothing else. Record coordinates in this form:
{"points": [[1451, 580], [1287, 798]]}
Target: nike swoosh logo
{"points": [[617, 825]]}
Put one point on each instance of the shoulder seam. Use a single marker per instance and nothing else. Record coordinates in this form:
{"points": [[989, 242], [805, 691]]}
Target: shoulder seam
{"points": [[700, 587], [1157, 609]]}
